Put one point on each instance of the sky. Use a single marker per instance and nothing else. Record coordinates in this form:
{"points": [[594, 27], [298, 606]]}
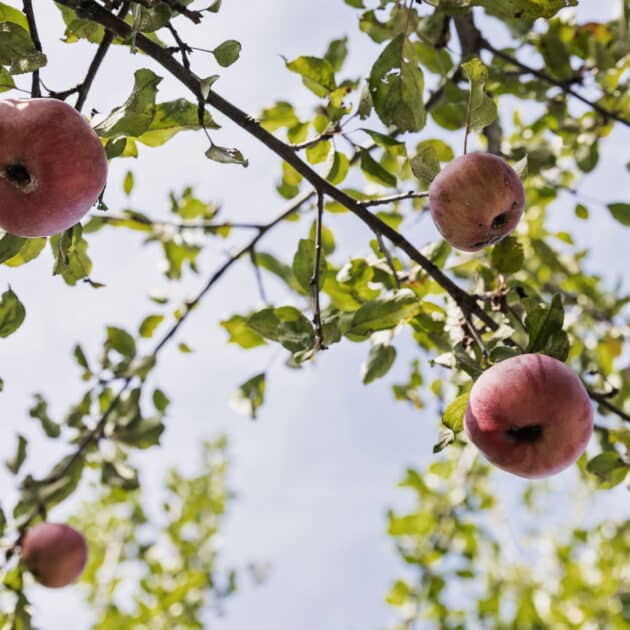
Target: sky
{"points": [[315, 474]]}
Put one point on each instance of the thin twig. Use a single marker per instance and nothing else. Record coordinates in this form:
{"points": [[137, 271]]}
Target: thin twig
{"points": [[326, 135], [179, 226], [85, 86], [182, 46], [315, 280], [388, 258], [259, 279], [383, 201], [36, 91], [547, 78], [602, 400]]}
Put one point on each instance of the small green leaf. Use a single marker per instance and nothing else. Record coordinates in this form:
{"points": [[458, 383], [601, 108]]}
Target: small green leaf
{"points": [[385, 312], [425, 165], [453, 416], [70, 251], [609, 467], [317, 74], [508, 256], [9, 246], [338, 169], [581, 211], [160, 400], [620, 212], [483, 110], [375, 172], [149, 325], [241, 334], [379, 362], [227, 53], [286, 325], [12, 313], [39, 411], [135, 116], [226, 155], [249, 397], [304, 264], [128, 183], [397, 85], [15, 463], [17, 50], [121, 341]]}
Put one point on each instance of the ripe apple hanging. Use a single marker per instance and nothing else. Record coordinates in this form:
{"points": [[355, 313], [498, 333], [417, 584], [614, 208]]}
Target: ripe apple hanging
{"points": [[476, 200], [54, 553], [52, 166], [529, 415]]}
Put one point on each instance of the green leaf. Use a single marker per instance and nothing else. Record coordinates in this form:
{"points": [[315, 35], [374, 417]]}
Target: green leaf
{"points": [[446, 437], [286, 325], [379, 362], [39, 411], [241, 334], [227, 53], [15, 463], [70, 252], [17, 50], [375, 172], [524, 9], [12, 313], [160, 400], [128, 183], [304, 264], [135, 116], [483, 110], [9, 246], [173, 117], [148, 20], [620, 212], [453, 416], [338, 169], [425, 165], [249, 397], [120, 475], [385, 312], [121, 341], [141, 433], [508, 256], [581, 212], [30, 250], [545, 328], [149, 325], [336, 53], [397, 86], [318, 75], [609, 467], [225, 155]]}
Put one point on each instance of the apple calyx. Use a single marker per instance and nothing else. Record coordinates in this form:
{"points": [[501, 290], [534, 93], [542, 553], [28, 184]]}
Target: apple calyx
{"points": [[528, 434], [20, 176]]}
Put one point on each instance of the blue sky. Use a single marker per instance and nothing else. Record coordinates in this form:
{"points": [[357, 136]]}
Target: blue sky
{"points": [[316, 473]]}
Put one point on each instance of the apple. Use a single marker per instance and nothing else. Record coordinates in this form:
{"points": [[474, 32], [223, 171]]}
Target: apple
{"points": [[54, 553], [476, 200], [529, 415], [52, 166]]}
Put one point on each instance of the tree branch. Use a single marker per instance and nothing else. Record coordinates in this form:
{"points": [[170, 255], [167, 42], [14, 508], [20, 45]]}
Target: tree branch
{"points": [[607, 114], [36, 91], [93, 11]]}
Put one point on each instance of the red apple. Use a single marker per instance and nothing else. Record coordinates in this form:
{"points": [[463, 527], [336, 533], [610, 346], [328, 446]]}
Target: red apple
{"points": [[476, 200], [530, 415], [52, 166], [55, 554]]}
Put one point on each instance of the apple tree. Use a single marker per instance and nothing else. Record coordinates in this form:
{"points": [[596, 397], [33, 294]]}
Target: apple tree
{"points": [[534, 93]]}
